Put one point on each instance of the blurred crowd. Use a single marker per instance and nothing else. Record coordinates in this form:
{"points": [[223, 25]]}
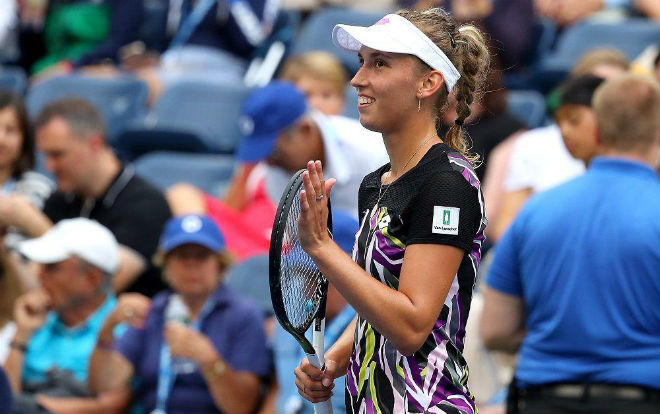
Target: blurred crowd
{"points": [[144, 146]]}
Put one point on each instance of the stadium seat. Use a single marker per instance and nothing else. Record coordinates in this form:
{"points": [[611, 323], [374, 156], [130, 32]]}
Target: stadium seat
{"points": [[527, 107], [250, 279], [133, 143], [208, 172], [12, 78], [208, 111], [630, 37], [120, 100], [315, 33]]}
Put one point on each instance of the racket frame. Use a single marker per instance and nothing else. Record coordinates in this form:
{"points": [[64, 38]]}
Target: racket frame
{"points": [[314, 350]]}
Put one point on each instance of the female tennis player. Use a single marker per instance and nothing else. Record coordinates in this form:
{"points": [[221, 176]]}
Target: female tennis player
{"points": [[422, 220]]}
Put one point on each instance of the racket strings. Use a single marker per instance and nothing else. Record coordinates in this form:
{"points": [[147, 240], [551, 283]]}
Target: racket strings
{"points": [[301, 280]]}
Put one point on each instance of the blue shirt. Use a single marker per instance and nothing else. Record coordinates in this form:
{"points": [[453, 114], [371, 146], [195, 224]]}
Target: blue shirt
{"points": [[234, 326], [288, 355], [55, 345], [585, 259]]}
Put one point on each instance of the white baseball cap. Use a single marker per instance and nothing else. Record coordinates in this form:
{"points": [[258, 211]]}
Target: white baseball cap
{"points": [[396, 34], [81, 237]]}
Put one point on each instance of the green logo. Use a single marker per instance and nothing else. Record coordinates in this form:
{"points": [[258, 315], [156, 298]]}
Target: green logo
{"points": [[446, 217]]}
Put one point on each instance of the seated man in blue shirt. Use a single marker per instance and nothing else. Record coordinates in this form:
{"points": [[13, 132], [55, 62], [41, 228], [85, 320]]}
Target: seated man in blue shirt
{"points": [[58, 323], [574, 282]]}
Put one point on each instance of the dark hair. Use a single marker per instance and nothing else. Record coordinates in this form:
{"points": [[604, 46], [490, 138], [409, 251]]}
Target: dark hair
{"points": [[81, 116], [25, 160], [466, 48], [579, 90]]}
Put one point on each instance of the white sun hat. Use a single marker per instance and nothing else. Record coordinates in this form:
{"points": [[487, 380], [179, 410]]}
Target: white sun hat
{"points": [[396, 34], [80, 237]]}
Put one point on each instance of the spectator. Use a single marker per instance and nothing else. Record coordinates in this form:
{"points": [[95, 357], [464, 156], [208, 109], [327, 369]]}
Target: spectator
{"points": [[17, 179], [321, 77], [539, 159], [211, 41], [79, 33], [588, 266], [57, 324], [93, 183], [211, 364], [288, 353], [576, 118], [278, 128]]}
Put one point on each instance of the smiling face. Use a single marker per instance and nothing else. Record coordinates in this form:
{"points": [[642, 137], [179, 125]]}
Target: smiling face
{"points": [[387, 84]]}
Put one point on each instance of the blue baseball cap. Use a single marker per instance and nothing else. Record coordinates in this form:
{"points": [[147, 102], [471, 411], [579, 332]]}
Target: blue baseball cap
{"points": [[191, 229], [266, 112]]}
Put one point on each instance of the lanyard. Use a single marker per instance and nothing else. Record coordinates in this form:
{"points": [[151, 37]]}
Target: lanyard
{"points": [[191, 22], [166, 374]]}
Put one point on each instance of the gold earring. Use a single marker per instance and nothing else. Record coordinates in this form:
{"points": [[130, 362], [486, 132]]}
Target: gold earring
{"points": [[419, 105]]}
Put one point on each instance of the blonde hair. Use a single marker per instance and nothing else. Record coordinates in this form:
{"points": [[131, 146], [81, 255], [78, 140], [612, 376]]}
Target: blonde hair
{"points": [[628, 112], [465, 46], [599, 56], [321, 66]]}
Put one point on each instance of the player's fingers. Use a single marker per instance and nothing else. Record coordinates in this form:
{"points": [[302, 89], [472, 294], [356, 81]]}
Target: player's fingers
{"points": [[315, 180], [313, 390], [311, 195], [304, 205], [319, 173]]}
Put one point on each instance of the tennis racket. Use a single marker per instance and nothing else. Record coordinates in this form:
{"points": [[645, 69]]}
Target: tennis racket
{"points": [[298, 289]]}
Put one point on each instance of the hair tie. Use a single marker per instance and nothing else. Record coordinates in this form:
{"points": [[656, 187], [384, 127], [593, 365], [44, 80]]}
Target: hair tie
{"points": [[451, 39], [459, 122]]}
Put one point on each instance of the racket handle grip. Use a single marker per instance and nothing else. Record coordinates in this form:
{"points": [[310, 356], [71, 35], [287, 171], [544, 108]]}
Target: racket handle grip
{"points": [[323, 407]]}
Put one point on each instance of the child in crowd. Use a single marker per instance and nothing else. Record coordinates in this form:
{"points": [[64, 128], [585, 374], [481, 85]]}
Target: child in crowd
{"points": [[321, 77], [576, 118]]}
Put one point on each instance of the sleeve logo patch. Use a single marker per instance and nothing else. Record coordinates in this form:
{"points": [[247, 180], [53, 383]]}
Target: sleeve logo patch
{"points": [[445, 220]]}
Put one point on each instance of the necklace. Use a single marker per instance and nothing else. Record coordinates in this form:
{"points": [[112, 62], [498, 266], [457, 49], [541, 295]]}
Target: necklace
{"points": [[380, 189]]}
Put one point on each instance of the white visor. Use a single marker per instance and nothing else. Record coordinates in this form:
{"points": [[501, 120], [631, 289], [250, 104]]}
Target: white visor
{"points": [[396, 34]]}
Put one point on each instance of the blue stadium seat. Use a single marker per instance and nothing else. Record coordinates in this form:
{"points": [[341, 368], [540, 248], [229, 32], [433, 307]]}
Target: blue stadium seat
{"points": [[13, 78], [250, 279], [630, 37], [209, 111], [208, 172], [316, 33], [133, 143], [120, 100], [527, 107]]}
